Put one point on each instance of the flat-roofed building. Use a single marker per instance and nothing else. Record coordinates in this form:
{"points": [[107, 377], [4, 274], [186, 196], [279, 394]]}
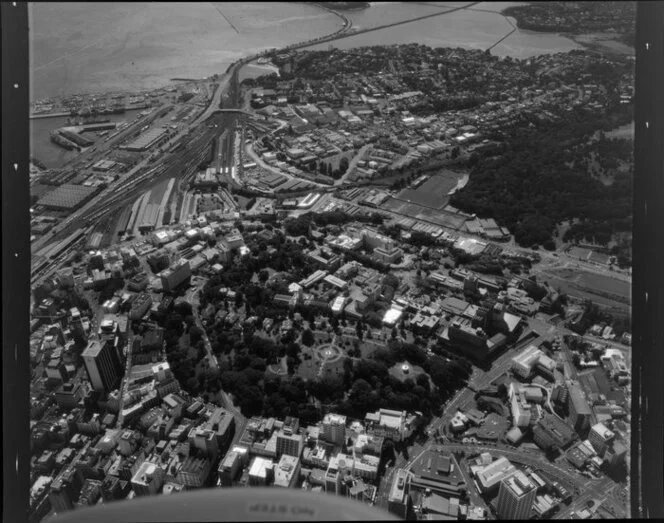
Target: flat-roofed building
{"points": [[148, 479], [148, 218], [552, 433], [438, 278], [579, 410], [68, 197], [69, 394], [524, 362], [365, 467], [490, 476], [519, 406], [392, 424], [289, 443], [194, 472], [336, 282], [439, 507], [334, 428], [261, 471], [368, 444], [147, 140], [516, 497], [175, 275], [229, 467], [287, 472], [103, 365], [439, 472], [392, 315], [313, 279], [398, 501], [470, 339], [600, 436]]}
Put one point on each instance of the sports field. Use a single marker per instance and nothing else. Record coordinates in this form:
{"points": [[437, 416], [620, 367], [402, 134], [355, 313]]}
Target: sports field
{"points": [[433, 192]]}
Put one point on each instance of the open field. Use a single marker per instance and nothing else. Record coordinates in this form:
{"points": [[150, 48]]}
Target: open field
{"points": [[433, 192]]}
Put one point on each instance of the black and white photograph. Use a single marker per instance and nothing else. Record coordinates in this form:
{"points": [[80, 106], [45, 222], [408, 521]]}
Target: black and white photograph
{"points": [[312, 261]]}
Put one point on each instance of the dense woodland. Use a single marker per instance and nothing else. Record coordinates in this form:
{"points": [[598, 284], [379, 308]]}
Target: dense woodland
{"points": [[540, 180]]}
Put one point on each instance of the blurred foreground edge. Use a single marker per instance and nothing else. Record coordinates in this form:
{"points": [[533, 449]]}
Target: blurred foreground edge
{"points": [[241, 504]]}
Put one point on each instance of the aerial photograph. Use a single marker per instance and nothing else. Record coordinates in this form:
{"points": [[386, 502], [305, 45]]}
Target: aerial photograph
{"points": [[378, 254]]}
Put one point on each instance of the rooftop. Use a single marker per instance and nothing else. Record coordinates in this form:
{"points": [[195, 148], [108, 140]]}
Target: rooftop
{"points": [[67, 196]]}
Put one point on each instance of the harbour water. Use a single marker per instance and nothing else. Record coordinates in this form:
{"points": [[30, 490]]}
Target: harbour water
{"points": [[94, 47], [124, 46], [52, 155], [477, 27]]}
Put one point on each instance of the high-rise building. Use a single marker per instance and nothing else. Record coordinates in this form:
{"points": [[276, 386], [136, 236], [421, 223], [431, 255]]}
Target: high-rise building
{"points": [[175, 275], [516, 497], [205, 440], [229, 468], [289, 443], [103, 365], [489, 476], [334, 428], [599, 437], [579, 410], [399, 499]]}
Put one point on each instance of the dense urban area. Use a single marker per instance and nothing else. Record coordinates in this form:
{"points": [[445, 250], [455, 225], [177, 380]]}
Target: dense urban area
{"points": [[395, 274]]}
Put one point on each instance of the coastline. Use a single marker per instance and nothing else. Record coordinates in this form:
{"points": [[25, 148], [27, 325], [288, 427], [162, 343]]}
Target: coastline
{"points": [[597, 41], [247, 58]]}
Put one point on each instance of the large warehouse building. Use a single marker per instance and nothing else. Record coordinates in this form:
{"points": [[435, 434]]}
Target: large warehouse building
{"points": [[68, 196], [146, 140]]}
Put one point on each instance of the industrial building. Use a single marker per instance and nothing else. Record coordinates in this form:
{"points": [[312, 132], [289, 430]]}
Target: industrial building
{"points": [[147, 140], [68, 197], [147, 221]]}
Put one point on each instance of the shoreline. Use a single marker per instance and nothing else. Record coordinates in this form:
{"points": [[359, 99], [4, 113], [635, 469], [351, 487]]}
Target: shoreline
{"points": [[248, 59], [64, 114], [591, 41]]}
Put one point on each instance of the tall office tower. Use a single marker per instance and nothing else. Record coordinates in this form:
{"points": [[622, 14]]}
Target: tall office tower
{"points": [[600, 437], [516, 497], [334, 428], [103, 365]]}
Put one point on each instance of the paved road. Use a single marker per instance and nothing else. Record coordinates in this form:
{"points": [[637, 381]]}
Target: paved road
{"points": [[537, 462], [598, 491]]}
